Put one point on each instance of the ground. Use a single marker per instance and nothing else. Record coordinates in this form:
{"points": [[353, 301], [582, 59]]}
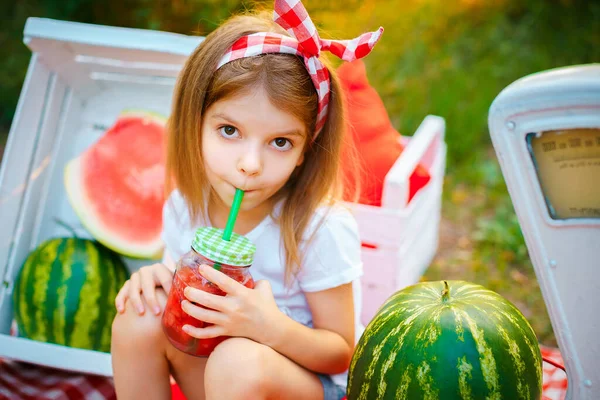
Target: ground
{"points": [[467, 251]]}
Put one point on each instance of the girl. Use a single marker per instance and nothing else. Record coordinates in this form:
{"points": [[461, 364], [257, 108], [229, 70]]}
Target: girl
{"points": [[254, 109]]}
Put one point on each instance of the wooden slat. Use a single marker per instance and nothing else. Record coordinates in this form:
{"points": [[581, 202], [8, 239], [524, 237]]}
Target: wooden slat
{"points": [[17, 160]]}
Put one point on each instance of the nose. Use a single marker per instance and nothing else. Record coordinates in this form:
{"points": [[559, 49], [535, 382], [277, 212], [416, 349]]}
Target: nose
{"points": [[250, 163]]}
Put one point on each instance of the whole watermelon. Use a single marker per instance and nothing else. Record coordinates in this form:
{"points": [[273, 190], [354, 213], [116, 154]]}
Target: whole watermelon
{"points": [[65, 293], [446, 340]]}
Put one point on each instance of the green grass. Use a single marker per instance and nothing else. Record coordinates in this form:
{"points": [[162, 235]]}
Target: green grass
{"points": [[453, 58], [3, 139]]}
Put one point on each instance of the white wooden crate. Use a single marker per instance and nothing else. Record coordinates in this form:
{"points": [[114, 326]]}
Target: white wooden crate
{"points": [[79, 79], [405, 234]]}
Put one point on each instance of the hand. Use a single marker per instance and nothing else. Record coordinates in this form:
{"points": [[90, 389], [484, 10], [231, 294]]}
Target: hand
{"points": [[242, 312], [144, 281]]}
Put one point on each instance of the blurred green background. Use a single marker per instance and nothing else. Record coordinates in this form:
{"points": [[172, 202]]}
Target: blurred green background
{"points": [[449, 58]]}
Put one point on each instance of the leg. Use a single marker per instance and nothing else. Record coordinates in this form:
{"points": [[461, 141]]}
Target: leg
{"points": [[143, 358], [140, 367], [240, 368]]}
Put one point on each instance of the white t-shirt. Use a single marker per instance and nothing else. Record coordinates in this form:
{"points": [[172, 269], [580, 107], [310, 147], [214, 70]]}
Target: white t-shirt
{"points": [[331, 259]]}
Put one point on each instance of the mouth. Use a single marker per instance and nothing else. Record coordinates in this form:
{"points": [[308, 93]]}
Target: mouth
{"points": [[246, 191]]}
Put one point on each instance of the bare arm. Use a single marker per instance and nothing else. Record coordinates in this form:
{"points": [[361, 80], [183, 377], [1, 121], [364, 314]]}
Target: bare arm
{"points": [[252, 313], [328, 347], [144, 282]]}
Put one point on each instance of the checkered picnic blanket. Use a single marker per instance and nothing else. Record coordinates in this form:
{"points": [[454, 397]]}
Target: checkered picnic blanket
{"points": [[21, 381], [554, 385]]}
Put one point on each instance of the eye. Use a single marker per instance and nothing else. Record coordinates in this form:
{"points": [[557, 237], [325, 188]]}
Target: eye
{"points": [[282, 144], [228, 131]]}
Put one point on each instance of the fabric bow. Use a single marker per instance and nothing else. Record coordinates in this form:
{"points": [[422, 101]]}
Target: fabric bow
{"points": [[305, 41]]}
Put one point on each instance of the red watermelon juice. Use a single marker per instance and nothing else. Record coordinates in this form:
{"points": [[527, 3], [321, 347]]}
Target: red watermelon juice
{"points": [[238, 254]]}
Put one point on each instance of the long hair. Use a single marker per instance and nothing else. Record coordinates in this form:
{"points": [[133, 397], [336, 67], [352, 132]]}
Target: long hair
{"points": [[317, 181]]}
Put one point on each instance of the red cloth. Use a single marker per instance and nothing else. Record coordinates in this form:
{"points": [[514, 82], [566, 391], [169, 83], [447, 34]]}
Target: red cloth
{"points": [[176, 393], [554, 385], [372, 133], [24, 381]]}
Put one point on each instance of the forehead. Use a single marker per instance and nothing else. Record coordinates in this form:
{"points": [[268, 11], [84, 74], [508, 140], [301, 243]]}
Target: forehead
{"points": [[254, 108]]}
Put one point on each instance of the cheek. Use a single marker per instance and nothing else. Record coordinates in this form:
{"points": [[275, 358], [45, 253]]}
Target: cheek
{"points": [[280, 170], [213, 154]]}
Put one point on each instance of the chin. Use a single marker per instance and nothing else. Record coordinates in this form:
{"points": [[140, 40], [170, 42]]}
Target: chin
{"points": [[249, 204]]}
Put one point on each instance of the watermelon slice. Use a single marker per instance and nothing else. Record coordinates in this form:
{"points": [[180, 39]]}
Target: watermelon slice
{"points": [[116, 186]]}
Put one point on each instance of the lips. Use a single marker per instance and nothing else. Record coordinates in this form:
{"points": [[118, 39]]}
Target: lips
{"points": [[246, 191]]}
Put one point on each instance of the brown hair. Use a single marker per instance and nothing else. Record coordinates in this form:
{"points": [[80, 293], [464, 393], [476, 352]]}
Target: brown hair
{"points": [[284, 77]]}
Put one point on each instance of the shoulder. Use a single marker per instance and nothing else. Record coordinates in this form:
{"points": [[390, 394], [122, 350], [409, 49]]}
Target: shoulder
{"points": [[177, 228], [332, 220], [175, 210], [332, 250]]}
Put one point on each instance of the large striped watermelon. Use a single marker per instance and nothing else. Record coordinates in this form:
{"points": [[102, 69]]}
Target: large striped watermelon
{"points": [[446, 340], [65, 293], [116, 186]]}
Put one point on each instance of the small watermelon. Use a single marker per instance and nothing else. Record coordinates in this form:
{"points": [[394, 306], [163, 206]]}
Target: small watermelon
{"points": [[65, 292], [116, 186], [446, 340]]}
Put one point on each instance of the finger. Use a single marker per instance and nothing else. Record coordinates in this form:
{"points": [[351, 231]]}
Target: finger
{"points": [[134, 293], [202, 314], [121, 297], [205, 299], [224, 282], [165, 277], [148, 286], [263, 286], [204, 333]]}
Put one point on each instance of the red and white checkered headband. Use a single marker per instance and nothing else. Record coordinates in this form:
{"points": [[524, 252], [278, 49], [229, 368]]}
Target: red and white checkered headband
{"points": [[305, 42]]}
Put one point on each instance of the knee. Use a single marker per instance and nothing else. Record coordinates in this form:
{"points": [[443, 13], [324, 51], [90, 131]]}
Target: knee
{"points": [[240, 365], [131, 330]]}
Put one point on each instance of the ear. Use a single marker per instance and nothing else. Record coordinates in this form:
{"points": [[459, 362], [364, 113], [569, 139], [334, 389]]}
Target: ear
{"points": [[300, 160]]}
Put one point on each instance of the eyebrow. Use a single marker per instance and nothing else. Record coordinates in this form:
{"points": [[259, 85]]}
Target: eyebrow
{"points": [[293, 132]]}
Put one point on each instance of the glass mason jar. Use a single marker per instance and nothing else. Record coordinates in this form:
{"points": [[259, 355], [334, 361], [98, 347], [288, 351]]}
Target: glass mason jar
{"points": [[233, 258]]}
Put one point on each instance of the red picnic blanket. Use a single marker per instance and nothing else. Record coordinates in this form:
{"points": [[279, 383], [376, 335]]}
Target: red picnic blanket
{"points": [[21, 381], [554, 386], [32, 382]]}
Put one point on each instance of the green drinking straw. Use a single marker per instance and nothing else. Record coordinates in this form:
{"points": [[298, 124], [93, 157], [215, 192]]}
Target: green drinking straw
{"points": [[235, 208]]}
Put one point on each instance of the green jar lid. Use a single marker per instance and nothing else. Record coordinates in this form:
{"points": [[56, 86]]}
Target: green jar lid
{"points": [[209, 242]]}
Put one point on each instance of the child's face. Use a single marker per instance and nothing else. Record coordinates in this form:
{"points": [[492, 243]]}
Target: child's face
{"points": [[249, 143]]}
